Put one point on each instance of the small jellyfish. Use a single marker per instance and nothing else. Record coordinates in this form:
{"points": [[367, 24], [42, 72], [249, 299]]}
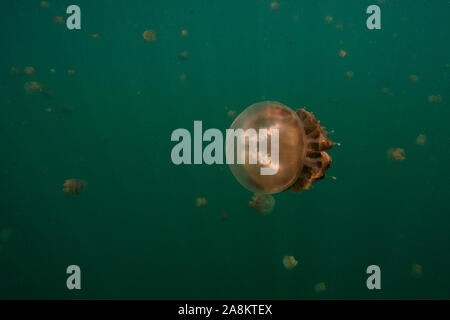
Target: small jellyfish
{"points": [[52, 70], [183, 77], [275, 5], [32, 87], [201, 201], [231, 113], [58, 20], [329, 19], [29, 70], [183, 55], [67, 109], [397, 154], [45, 4], [340, 26], [416, 270], [262, 203], [223, 216], [320, 287], [289, 262], [71, 72], [48, 110], [342, 53], [15, 71], [421, 139], [95, 36], [184, 33], [413, 78], [349, 74], [73, 186], [149, 35], [435, 98], [385, 90]]}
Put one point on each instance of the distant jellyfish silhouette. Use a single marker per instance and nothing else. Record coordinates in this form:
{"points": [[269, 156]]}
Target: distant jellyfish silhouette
{"points": [[44, 5], [435, 98], [15, 71], [73, 186], [302, 142], [289, 262], [275, 6], [262, 203], [320, 287], [29, 70], [183, 55], [58, 20], [33, 87], [149, 35], [397, 154], [201, 201], [421, 139]]}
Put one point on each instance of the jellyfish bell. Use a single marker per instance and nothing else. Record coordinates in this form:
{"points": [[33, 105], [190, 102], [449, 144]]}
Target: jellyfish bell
{"points": [[301, 144], [74, 186]]}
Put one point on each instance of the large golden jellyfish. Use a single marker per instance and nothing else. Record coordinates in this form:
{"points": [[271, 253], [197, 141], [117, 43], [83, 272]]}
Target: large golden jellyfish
{"points": [[301, 144]]}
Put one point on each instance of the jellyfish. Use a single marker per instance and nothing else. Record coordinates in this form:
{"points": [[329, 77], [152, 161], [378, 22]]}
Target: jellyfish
{"points": [[71, 72], [397, 154], [435, 98], [58, 20], [262, 203], [95, 36], [183, 77], [342, 53], [184, 33], [329, 19], [289, 262], [73, 186], [275, 6], [421, 139], [320, 287], [149, 35], [416, 270], [231, 113], [385, 90], [183, 55], [201, 201], [44, 5], [29, 70], [52, 70], [413, 78], [67, 109], [301, 144], [223, 216], [339, 26], [15, 71], [33, 87], [349, 74]]}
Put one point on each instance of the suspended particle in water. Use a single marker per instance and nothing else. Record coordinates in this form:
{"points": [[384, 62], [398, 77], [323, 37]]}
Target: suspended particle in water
{"points": [[183, 55], [289, 262], [320, 287], [262, 203], [45, 4], [275, 5], [435, 98], [58, 20], [302, 142], [32, 87], [149, 35], [73, 186], [184, 33], [342, 53], [413, 78], [29, 70], [201, 201], [421, 139], [329, 19], [397, 154], [416, 270], [349, 74]]}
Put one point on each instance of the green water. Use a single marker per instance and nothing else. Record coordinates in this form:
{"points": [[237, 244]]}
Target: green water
{"points": [[136, 231]]}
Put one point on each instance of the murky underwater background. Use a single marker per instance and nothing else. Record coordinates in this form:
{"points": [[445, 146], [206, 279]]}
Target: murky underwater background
{"points": [[137, 232]]}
